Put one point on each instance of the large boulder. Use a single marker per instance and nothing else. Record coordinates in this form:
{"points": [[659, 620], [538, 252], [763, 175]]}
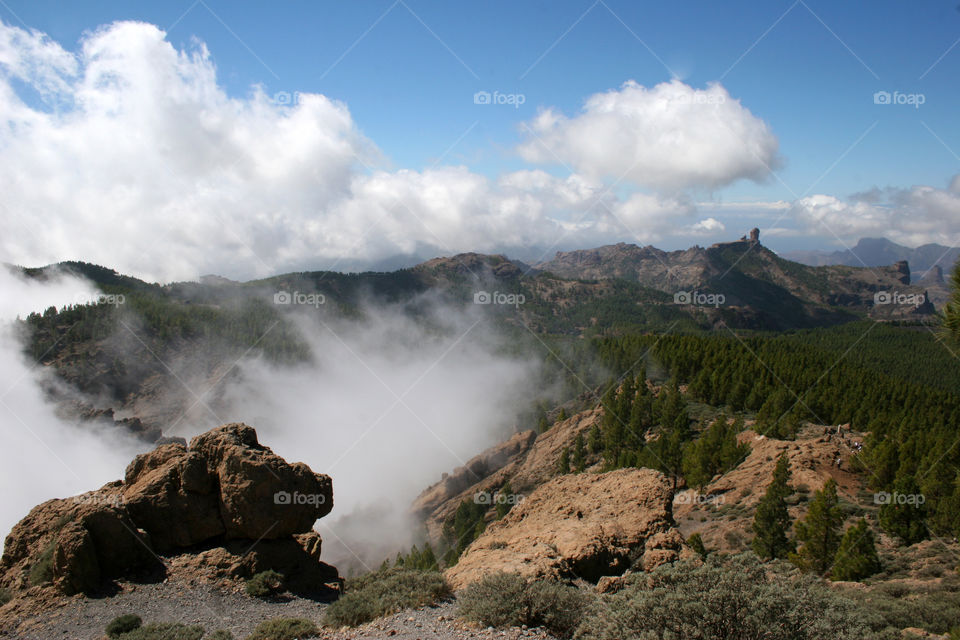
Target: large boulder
{"points": [[580, 526], [75, 544], [225, 484], [224, 490]]}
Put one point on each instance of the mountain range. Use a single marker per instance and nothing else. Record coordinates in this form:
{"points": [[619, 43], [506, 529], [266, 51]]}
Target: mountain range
{"points": [[875, 252]]}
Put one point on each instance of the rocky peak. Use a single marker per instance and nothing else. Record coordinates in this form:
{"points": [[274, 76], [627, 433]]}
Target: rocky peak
{"points": [[225, 490]]}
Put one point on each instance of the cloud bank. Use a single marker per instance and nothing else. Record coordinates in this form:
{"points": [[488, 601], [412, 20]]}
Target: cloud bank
{"points": [[44, 456], [914, 216], [129, 153]]}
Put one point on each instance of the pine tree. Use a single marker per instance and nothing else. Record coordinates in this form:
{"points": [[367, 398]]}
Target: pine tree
{"points": [[772, 519], [696, 543], [562, 415], [595, 440], [563, 465], [904, 514], [428, 560], [579, 457], [951, 310], [505, 501], [857, 556], [819, 531]]}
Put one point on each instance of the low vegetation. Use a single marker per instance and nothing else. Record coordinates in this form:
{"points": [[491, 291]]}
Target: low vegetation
{"points": [[734, 598], [5, 596], [161, 631], [509, 600], [42, 570], [285, 629], [123, 624], [266, 584], [383, 592]]}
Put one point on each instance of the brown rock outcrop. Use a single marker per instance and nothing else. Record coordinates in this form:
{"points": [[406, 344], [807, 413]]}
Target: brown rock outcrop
{"points": [[225, 490], [526, 459], [225, 484], [580, 526]]}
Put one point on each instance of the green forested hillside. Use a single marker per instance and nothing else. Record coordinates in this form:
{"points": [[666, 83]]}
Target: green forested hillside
{"points": [[878, 384]]}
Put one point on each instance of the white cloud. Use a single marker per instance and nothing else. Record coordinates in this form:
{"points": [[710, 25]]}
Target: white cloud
{"points": [[914, 216], [706, 227], [128, 153], [671, 136]]}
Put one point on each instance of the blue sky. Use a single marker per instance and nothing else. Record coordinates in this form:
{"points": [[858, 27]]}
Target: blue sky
{"points": [[408, 72]]}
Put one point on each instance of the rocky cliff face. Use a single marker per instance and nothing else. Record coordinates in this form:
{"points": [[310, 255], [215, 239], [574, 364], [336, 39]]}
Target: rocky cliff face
{"points": [[226, 501], [583, 525], [526, 459]]}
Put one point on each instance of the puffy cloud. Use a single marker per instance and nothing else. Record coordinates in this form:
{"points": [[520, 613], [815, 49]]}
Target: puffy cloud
{"points": [[671, 136], [129, 153], [914, 216], [707, 227]]}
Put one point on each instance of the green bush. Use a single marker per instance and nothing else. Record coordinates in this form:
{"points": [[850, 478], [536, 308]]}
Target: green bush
{"points": [[164, 631], [221, 634], [42, 570], [935, 608], [736, 598], [508, 600], [284, 629], [265, 584], [384, 592], [123, 624], [5, 596]]}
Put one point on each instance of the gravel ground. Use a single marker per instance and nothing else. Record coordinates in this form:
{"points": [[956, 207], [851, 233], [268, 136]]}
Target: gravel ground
{"points": [[86, 618]]}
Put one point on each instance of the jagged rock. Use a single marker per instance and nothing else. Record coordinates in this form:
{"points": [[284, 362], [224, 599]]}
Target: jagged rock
{"points": [[584, 525], [225, 489], [227, 484], [261, 496]]}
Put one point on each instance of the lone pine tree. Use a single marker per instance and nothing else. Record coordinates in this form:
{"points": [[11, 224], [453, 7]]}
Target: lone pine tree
{"points": [[771, 523]]}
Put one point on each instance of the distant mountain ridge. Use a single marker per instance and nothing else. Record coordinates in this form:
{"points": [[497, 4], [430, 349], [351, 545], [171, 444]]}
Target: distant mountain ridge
{"points": [[877, 252]]}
